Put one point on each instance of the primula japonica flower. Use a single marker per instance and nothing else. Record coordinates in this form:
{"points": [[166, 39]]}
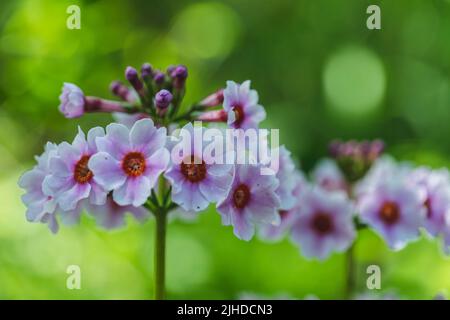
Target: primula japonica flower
{"points": [[71, 181], [196, 179], [130, 161], [395, 210], [241, 105], [41, 206], [72, 101], [112, 216], [287, 217], [251, 200], [435, 192], [325, 223], [327, 175]]}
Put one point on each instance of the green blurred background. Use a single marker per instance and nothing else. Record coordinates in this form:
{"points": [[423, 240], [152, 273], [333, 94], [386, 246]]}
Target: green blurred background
{"points": [[320, 73]]}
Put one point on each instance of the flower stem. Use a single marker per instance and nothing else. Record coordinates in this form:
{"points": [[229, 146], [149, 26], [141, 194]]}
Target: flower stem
{"points": [[160, 254], [350, 272]]}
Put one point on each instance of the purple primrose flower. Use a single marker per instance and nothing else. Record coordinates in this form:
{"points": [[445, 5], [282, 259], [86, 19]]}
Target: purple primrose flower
{"points": [[251, 200], [130, 161]]}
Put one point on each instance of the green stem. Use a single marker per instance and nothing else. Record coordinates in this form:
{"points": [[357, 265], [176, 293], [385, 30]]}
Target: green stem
{"points": [[350, 272], [160, 254]]}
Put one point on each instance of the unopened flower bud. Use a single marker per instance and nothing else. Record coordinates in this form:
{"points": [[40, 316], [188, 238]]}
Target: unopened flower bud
{"points": [[132, 76], [179, 75], [214, 116], [159, 77], [162, 100], [213, 99], [72, 101], [146, 71], [121, 91]]}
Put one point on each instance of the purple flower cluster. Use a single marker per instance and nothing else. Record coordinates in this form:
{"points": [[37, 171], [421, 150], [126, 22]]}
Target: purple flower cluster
{"points": [[70, 178], [129, 168], [394, 199], [152, 161], [398, 200]]}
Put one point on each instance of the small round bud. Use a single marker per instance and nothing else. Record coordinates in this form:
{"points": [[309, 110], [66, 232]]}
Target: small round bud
{"points": [[179, 72], [115, 87], [170, 69], [132, 76], [179, 75], [159, 77], [163, 99], [146, 70]]}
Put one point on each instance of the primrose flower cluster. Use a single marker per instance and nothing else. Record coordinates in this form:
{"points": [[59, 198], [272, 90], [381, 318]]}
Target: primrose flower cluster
{"points": [[134, 165], [360, 188], [149, 162]]}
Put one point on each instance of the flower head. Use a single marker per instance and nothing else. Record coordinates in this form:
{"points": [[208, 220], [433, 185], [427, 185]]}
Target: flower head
{"points": [[242, 106], [41, 206], [325, 223], [394, 208], [251, 200], [71, 181], [197, 179], [130, 161], [72, 101]]}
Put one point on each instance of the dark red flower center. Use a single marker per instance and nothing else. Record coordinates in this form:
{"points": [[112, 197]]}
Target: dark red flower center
{"points": [[283, 214], [241, 196], [239, 114], [389, 212], [133, 164], [322, 223], [194, 169], [82, 174]]}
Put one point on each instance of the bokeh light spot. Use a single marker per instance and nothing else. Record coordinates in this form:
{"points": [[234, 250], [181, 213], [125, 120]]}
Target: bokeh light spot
{"points": [[354, 81], [206, 30]]}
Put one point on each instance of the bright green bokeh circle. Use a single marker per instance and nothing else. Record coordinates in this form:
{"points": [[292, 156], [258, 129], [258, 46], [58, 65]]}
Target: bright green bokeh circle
{"points": [[354, 81]]}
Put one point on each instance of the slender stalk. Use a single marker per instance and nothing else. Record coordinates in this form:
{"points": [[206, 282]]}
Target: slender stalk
{"points": [[350, 272], [160, 254]]}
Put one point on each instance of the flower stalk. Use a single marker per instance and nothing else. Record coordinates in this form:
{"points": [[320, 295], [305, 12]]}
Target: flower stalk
{"points": [[160, 253], [350, 276]]}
